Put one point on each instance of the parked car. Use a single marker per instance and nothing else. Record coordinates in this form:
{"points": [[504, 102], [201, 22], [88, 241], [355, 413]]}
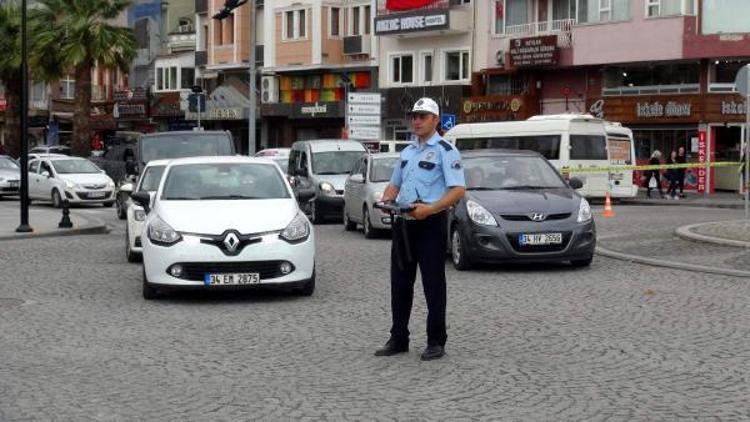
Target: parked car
{"points": [[10, 176], [256, 234], [518, 208], [161, 146], [76, 179], [279, 156], [323, 166], [364, 187], [35, 156], [51, 149], [135, 214]]}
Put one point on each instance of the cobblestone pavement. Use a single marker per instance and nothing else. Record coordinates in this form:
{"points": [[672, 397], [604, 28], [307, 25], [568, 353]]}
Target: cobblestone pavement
{"points": [[732, 230], [613, 342], [649, 231]]}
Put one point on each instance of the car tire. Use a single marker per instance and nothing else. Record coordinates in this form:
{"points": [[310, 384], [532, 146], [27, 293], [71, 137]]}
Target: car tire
{"points": [[369, 231], [108, 204], [132, 256], [459, 256], [349, 225], [149, 292], [581, 263], [309, 287], [121, 211], [56, 199], [315, 214]]}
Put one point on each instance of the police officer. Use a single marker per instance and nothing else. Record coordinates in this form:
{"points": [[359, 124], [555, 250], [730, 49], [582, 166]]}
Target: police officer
{"points": [[429, 179]]}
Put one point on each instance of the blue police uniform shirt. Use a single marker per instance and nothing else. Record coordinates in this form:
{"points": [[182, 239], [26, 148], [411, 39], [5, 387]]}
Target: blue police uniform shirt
{"points": [[426, 171]]}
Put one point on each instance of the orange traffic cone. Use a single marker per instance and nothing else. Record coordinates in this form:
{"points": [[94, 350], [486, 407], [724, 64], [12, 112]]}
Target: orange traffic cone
{"points": [[608, 211]]}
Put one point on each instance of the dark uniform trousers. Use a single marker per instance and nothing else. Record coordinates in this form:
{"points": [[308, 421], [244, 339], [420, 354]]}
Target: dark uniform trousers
{"points": [[427, 241]]}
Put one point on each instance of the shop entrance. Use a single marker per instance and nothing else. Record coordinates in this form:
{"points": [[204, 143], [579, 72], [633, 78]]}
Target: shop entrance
{"points": [[727, 142]]}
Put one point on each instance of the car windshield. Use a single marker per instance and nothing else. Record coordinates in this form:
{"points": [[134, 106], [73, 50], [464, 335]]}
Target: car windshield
{"points": [[494, 173], [183, 145], [151, 178], [8, 164], [75, 167], [334, 162], [382, 169], [224, 181]]}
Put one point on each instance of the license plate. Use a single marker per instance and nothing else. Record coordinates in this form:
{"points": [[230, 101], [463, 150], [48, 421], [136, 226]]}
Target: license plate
{"points": [[97, 194], [540, 239], [616, 176], [235, 279], [13, 183]]}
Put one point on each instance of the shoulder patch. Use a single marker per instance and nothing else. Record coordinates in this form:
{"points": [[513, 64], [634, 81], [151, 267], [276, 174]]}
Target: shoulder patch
{"points": [[445, 145]]}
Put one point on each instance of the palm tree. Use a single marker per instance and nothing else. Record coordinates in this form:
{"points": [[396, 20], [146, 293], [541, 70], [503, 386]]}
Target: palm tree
{"points": [[77, 35], [10, 73]]}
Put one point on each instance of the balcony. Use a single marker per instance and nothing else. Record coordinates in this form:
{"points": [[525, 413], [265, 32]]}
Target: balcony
{"points": [[182, 41], [540, 28]]}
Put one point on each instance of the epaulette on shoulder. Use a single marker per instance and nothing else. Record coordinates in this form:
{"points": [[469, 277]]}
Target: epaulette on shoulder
{"points": [[445, 145]]}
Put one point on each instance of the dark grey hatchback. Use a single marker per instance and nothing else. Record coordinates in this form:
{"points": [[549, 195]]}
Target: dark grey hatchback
{"points": [[518, 208]]}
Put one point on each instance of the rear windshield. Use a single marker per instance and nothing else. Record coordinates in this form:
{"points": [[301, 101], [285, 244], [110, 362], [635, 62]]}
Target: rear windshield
{"points": [[180, 145], [382, 169], [7, 164], [547, 145], [588, 147]]}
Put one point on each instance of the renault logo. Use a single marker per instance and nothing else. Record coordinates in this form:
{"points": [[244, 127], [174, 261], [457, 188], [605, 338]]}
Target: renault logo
{"points": [[231, 242], [537, 216]]}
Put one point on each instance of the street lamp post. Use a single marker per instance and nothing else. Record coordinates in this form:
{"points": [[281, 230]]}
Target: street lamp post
{"points": [[24, 227]]}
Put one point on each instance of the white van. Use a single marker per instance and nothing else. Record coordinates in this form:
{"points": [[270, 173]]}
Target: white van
{"points": [[621, 149], [566, 140]]}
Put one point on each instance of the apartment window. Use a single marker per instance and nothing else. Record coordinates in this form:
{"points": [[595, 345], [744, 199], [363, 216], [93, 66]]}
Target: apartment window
{"points": [[295, 24], [218, 24], [187, 77], [669, 7], [725, 16], [160, 79], [39, 91], [335, 20], [509, 14], [593, 11], [457, 66], [355, 21], [402, 69], [67, 88], [605, 10], [229, 30], [427, 67], [205, 37], [172, 78], [367, 19]]}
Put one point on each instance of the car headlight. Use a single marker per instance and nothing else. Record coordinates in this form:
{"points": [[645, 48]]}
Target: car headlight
{"points": [[139, 215], [111, 184], [327, 188], [297, 231], [377, 196], [161, 233], [479, 214], [584, 211]]}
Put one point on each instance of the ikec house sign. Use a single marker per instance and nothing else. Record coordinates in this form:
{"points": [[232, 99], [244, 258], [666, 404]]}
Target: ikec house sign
{"points": [[420, 20]]}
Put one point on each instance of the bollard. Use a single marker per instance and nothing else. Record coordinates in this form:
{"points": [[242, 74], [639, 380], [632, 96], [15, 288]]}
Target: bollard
{"points": [[65, 222]]}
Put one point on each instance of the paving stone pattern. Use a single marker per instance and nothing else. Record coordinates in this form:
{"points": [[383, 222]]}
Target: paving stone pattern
{"points": [[732, 230]]}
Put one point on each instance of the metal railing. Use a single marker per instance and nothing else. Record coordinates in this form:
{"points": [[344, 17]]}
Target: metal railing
{"points": [[721, 87], [540, 28], [652, 89]]}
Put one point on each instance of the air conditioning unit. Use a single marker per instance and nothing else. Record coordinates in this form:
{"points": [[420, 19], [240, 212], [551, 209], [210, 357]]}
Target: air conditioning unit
{"points": [[185, 29], [500, 58], [269, 89], [357, 44]]}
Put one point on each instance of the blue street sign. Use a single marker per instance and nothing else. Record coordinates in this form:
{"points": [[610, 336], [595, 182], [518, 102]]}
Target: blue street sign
{"points": [[447, 121]]}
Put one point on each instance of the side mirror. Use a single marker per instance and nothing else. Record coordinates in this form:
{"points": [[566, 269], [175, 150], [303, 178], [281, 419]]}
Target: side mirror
{"points": [[143, 199], [126, 188], [357, 178], [131, 168], [46, 174], [575, 183]]}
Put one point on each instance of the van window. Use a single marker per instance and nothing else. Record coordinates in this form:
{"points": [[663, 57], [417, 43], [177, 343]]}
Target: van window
{"points": [[384, 147], [547, 145], [588, 147], [401, 147]]}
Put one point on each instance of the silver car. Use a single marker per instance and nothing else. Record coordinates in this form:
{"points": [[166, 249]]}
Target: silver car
{"points": [[363, 187], [10, 176]]}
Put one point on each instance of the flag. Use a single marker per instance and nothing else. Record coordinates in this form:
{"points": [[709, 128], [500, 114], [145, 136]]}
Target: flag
{"points": [[407, 4]]}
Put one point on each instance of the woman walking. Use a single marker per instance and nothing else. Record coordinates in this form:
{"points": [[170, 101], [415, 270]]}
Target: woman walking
{"points": [[653, 177], [673, 176]]}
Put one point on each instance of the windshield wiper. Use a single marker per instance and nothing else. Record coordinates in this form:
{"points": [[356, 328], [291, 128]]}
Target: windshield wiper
{"points": [[229, 197], [483, 188], [181, 198]]}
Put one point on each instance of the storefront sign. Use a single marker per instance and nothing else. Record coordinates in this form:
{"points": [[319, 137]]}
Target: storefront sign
{"points": [[731, 108], [534, 51], [658, 109], [219, 113], [167, 105], [312, 110], [317, 110], [702, 157], [493, 109], [421, 20], [124, 111]]}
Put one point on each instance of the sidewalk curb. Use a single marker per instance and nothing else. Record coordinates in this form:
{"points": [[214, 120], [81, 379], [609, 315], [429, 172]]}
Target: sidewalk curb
{"points": [[674, 265], [658, 202], [97, 229], [684, 232]]}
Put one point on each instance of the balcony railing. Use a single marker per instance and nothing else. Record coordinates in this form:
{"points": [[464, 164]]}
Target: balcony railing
{"points": [[721, 87], [652, 89], [540, 28]]}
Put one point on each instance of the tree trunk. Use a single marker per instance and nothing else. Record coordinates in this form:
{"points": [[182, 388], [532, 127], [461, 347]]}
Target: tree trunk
{"points": [[13, 118], [81, 144]]}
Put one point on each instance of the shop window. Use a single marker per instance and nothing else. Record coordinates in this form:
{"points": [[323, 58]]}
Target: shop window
{"points": [[655, 79], [457, 66], [588, 147], [427, 67], [402, 69], [663, 140], [725, 16]]}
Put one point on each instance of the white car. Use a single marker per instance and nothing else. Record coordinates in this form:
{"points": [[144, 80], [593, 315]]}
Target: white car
{"points": [[10, 176], [135, 214], [225, 222], [76, 179]]}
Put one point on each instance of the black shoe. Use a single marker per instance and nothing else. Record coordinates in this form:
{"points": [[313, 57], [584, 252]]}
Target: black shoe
{"points": [[433, 352], [392, 348]]}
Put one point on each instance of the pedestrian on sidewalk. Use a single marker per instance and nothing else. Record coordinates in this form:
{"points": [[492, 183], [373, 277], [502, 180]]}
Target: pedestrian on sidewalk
{"points": [[681, 159], [672, 175], [653, 177]]}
